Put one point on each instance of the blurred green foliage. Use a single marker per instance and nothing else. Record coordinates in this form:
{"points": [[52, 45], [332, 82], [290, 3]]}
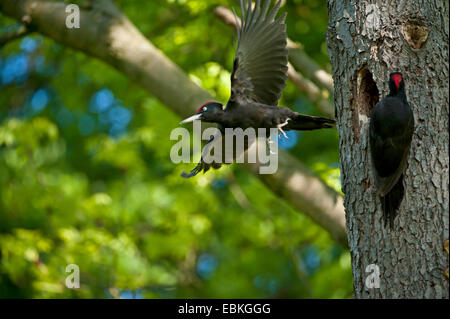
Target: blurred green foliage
{"points": [[86, 177]]}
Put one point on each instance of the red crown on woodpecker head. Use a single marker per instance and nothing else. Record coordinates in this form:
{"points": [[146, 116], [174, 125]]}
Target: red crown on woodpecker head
{"points": [[397, 78], [200, 108]]}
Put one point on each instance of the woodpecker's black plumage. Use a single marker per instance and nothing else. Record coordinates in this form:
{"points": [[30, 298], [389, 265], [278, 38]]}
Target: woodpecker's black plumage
{"points": [[390, 133], [257, 80]]}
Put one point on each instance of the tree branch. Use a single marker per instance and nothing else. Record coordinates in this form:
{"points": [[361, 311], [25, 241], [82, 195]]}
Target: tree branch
{"points": [[105, 33], [309, 67], [313, 93]]}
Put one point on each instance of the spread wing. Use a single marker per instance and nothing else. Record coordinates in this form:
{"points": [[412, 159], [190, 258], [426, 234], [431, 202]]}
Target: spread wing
{"points": [[260, 65]]}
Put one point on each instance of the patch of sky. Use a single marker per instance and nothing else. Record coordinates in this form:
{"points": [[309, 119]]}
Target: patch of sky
{"points": [[111, 116], [29, 44], [101, 101], [15, 69], [131, 294], [288, 143], [309, 260], [119, 116], [206, 265], [39, 100]]}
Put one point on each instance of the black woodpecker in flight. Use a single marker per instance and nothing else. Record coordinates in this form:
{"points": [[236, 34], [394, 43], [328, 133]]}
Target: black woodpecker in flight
{"points": [[257, 81], [390, 133]]}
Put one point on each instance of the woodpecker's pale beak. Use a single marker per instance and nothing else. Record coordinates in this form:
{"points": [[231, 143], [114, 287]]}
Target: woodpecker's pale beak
{"points": [[191, 119]]}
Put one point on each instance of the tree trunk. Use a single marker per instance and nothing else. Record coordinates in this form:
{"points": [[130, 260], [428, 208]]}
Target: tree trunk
{"points": [[366, 41]]}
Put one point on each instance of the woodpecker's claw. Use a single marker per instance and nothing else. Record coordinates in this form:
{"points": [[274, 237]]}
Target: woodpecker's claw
{"points": [[279, 126], [269, 142]]}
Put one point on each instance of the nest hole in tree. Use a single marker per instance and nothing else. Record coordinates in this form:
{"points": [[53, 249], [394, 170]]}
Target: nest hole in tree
{"points": [[365, 96]]}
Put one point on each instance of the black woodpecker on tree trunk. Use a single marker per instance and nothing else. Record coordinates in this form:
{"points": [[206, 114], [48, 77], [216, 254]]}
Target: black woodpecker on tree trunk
{"points": [[390, 133], [257, 80]]}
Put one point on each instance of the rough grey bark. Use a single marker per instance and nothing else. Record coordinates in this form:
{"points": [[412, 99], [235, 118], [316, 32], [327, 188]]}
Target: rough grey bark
{"points": [[107, 34], [367, 40]]}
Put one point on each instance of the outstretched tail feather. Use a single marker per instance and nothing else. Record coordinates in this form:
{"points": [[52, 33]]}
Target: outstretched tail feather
{"points": [[200, 166], [306, 122], [391, 202], [197, 169]]}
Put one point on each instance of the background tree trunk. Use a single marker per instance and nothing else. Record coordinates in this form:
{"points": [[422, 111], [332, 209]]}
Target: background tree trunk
{"points": [[366, 41]]}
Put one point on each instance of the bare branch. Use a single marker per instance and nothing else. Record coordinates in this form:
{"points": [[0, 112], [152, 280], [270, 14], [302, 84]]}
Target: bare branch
{"points": [[314, 94], [309, 67]]}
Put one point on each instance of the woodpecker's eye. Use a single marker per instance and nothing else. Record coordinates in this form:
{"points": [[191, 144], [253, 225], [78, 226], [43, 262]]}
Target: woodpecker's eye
{"points": [[204, 109]]}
